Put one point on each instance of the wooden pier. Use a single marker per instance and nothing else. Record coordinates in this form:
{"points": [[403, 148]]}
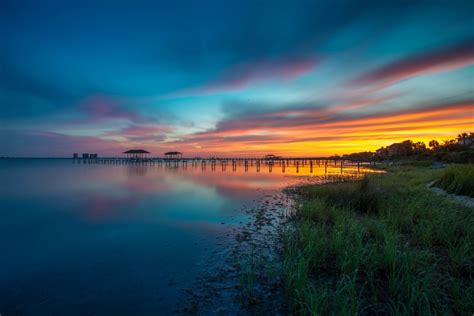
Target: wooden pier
{"points": [[222, 163]]}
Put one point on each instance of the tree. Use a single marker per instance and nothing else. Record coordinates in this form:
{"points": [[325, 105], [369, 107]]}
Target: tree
{"points": [[434, 144], [462, 138], [404, 148], [419, 148], [464, 143]]}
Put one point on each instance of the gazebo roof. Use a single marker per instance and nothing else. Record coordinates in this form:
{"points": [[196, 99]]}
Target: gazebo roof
{"points": [[136, 151], [173, 153], [271, 157]]}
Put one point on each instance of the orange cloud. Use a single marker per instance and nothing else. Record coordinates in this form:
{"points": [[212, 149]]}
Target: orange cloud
{"points": [[294, 133]]}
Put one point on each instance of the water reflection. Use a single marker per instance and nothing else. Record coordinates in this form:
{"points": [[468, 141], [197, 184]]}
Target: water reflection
{"points": [[90, 238]]}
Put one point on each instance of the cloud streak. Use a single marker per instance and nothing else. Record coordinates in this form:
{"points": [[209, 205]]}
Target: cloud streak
{"points": [[141, 133], [98, 107], [254, 73], [274, 131], [271, 132], [425, 63], [308, 76]]}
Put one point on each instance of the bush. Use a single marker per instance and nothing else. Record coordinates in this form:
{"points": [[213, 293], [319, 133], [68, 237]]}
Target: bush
{"points": [[420, 163], [466, 156], [361, 196], [458, 179]]}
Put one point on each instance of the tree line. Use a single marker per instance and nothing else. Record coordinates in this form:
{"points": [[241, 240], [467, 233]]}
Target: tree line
{"points": [[456, 150]]}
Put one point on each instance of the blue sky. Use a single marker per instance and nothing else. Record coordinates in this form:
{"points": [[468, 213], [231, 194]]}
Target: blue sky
{"points": [[232, 77]]}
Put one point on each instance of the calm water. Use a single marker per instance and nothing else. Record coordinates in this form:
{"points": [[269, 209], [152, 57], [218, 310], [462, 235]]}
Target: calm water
{"points": [[94, 239]]}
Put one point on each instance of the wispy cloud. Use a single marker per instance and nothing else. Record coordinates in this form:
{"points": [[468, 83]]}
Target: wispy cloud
{"points": [[277, 132], [254, 73], [309, 76], [274, 131], [141, 133], [99, 107], [47, 144], [444, 59]]}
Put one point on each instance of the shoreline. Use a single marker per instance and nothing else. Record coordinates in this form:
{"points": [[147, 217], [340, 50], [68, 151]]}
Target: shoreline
{"points": [[250, 277], [246, 278]]}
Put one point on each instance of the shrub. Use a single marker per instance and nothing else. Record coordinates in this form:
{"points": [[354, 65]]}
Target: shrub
{"points": [[361, 196], [458, 179]]}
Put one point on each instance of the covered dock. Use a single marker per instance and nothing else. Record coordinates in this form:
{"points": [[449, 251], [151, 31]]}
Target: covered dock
{"points": [[136, 154], [173, 155]]}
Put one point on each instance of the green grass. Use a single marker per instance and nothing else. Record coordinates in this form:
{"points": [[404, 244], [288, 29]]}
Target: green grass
{"points": [[248, 274], [385, 244], [458, 179]]}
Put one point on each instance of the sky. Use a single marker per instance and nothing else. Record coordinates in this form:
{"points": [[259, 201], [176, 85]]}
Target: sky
{"points": [[232, 78]]}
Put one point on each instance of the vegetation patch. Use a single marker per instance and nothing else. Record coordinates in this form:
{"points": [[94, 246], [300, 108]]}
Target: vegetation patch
{"points": [[458, 150], [385, 244], [458, 179]]}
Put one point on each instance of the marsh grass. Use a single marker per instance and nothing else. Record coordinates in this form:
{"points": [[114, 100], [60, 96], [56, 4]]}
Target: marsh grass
{"points": [[458, 179], [248, 274], [384, 244]]}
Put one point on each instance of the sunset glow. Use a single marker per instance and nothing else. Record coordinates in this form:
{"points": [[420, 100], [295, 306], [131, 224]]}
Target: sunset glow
{"points": [[302, 78]]}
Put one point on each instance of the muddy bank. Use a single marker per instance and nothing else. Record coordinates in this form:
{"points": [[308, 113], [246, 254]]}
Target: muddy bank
{"points": [[244, 273]]}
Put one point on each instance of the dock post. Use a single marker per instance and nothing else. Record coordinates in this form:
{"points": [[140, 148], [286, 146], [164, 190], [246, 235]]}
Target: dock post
{"points": [[311, 166]]}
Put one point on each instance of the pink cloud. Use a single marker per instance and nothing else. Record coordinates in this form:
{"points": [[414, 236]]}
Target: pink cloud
{"points": [[142, 133], [141, 130], [427, 63], [240, 76], [298, 116], [99, 107], [47, 144]]}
